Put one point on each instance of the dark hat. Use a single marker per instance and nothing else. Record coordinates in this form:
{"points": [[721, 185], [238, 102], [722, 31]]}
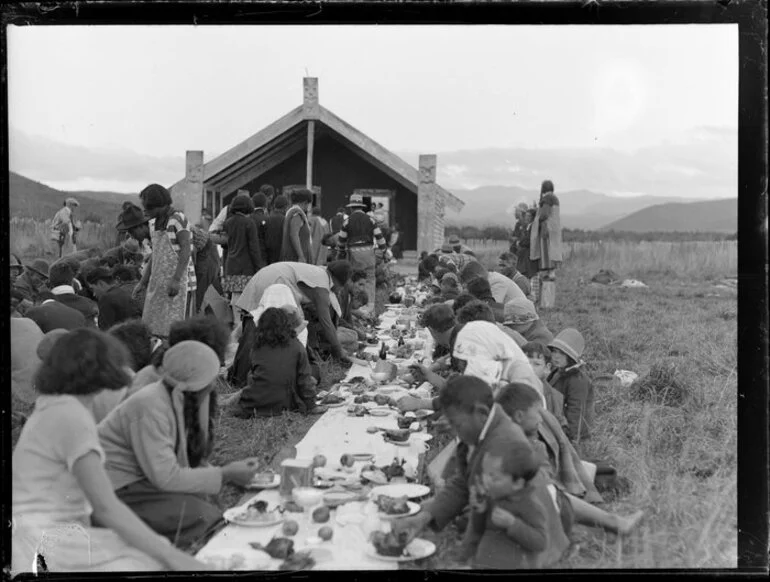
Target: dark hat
{"points": [[300, 196], [155, 196], [242, 203], [39, 266], [259, 199], [131, 216], [454, 240], [97, 274], [15, 263], [280, 202]]}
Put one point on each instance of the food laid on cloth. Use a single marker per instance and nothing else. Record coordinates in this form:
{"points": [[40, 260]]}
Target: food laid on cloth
{"points": [[267, 480], [255, 514], [397, 548], [409, 490], [392, 505], [331, 400], [396, 436]]}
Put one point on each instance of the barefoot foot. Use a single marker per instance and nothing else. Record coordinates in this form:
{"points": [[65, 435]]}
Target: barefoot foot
{"points": [[628, 524]]}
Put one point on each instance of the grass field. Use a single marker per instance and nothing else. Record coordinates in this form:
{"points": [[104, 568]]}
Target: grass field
{"points": [[673, 435]]}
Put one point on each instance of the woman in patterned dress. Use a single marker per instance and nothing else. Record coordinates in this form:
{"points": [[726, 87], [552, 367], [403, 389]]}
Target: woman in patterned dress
{"points": [[169, 278]]}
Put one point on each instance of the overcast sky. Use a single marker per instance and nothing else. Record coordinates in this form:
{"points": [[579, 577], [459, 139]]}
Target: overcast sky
{"points": [[160, 90]]}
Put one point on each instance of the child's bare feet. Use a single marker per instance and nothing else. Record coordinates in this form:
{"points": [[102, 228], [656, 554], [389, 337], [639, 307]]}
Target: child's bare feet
{"points": [[628, 524]]}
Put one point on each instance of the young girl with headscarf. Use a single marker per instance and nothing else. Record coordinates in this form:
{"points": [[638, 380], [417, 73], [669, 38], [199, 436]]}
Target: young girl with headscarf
{"points": [[60, 488], [169, 278], [157, 443]]}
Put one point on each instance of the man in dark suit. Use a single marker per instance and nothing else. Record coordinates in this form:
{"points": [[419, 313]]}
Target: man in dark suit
{"points": [[60, 280], [115, 302]]}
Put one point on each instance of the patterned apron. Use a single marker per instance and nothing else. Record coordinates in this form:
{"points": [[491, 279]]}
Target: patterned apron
{"points": [[160, 310]]}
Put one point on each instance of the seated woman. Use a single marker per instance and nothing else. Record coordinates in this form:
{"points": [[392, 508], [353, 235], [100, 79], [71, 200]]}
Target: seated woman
{"points": [[521, 316], [280, 378], [60, 488], [277, 295], [157, 443]]}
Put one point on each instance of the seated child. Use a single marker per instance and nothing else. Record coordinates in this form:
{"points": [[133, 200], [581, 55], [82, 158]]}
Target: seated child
{"points": [[280, 377], [205, 329], [514, 521], [135, 335], [574, 385], [540, 359], [568, 481]]}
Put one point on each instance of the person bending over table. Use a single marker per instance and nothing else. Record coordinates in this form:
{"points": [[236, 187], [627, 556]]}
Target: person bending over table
{"points": [[157, 442], [314, 287], [479, 349]]}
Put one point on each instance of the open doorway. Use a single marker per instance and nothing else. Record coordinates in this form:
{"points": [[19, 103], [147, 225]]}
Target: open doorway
{"points": [[379, 202]]}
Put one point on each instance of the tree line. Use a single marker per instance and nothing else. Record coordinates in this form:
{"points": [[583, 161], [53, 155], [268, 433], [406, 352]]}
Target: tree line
{"points": [[501, 233]]}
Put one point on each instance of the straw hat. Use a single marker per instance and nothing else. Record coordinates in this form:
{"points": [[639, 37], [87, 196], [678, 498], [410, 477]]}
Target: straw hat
{"points": [[571, 342], [356, 200], [72, 201]]}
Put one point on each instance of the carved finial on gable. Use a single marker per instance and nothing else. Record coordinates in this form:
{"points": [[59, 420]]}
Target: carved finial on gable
{"points": [[310, 97]]}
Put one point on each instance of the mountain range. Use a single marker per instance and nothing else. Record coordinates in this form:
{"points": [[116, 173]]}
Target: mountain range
{"points": [[580, 209]]}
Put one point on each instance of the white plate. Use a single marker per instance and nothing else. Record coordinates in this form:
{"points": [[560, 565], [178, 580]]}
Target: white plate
{"points": [[413, 508], [389, 389], [422, 436], [230, 516], [410, 490], [363, 457], [417, 549], [381, 411], [335, 405], [257, 485]]}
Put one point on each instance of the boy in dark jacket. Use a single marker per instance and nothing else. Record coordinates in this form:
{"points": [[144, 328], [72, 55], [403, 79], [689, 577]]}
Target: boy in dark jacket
{"points": [[570, 380], [513, 521]]}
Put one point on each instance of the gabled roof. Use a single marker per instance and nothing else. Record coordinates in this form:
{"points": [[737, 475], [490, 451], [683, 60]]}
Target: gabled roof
{"points": [[286, 136]]}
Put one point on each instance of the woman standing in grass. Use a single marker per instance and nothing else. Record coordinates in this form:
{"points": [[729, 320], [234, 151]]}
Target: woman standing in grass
{"points": [[169, 277], [59, 482], [158, 441], [545, 242]]}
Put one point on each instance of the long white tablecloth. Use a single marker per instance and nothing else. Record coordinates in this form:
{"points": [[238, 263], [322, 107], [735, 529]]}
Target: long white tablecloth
{"points": [[333, 434]]}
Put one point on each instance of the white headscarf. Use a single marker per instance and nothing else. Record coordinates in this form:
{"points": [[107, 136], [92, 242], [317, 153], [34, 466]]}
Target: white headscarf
{"points": [[493, 356], [279, 295]]}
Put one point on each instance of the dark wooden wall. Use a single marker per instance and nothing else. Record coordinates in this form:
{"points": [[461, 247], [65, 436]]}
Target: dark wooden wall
{"points": [[339, 171]]}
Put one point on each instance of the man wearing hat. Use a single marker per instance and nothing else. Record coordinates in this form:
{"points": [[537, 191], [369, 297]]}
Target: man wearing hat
{"points": [[33, 280], [114, 302], [357, 237], [520, 315], [458, 247], [63, 228]]}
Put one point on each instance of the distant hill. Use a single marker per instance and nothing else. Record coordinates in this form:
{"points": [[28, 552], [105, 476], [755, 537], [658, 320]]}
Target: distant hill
{"points": [[708, 216], [28, 198], [580, 209]]}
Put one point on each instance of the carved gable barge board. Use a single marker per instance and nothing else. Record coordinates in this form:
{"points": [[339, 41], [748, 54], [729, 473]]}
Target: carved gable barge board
{"points": [[287, 139]]}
